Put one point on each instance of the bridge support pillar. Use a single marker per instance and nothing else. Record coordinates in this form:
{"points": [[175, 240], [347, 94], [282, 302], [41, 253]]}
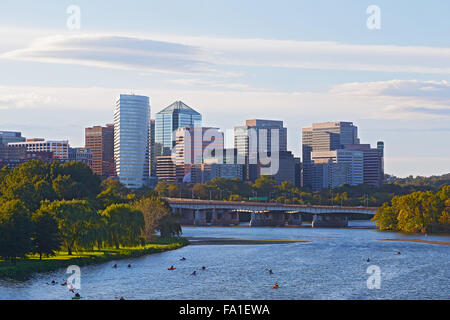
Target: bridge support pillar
{"points": [[330, 221], [200, 218], [270, 219], [295, 219], [224, 218], [187, 217]]}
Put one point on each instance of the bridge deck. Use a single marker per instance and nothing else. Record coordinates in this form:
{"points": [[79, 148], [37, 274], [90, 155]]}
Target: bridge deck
{"points": [[265, 206]]}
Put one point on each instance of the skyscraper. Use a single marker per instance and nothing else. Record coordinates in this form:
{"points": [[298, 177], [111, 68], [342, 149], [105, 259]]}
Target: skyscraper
{"points": [[257, 140], [131, 139], [152, 150], [194, 145], [168, 120], [373, 162], [325, 136], [100, 141]]}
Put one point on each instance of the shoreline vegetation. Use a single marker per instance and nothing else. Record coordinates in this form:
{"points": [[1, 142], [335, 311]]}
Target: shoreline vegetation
{"points": [[53, 215], [418, 212], [25, 268]]}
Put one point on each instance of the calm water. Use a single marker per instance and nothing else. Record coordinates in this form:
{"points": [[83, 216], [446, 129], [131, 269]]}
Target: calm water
{"points": [[332, 266]]}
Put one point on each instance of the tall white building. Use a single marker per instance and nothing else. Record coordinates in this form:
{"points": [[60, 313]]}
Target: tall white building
{"points": [[131, 139]]}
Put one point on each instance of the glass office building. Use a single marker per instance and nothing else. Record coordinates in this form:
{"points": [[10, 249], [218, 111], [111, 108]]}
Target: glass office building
{"points": [[131, 139], [168, 120]]}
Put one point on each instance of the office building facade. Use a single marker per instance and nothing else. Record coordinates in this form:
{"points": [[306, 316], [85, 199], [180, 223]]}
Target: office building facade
{"points": [[131, 139], [59, 149], [325, 136], [168, 120], [11, 136], [260, 142], [100, 141]]}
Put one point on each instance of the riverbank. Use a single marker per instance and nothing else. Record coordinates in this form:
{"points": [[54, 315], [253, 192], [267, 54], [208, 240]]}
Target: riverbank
{"points": [[26, 267]]}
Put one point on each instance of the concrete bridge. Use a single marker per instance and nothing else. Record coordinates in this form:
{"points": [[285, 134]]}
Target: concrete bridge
{"points": [[194, 212]]}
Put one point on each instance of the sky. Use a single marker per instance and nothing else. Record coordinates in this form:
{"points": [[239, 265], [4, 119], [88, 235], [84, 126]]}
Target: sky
{"points": [[296, 61]]}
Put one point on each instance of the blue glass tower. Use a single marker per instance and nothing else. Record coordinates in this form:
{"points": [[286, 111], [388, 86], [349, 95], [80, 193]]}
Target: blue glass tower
{"points": [[168, 120]]}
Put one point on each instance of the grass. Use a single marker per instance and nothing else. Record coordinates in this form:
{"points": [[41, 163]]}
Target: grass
{"points": [[26, 267]]}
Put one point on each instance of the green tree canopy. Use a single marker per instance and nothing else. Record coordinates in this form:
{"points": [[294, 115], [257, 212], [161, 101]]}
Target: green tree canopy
{"points": [[15, 230], [125, 224], [46, 237], [75, 220]]}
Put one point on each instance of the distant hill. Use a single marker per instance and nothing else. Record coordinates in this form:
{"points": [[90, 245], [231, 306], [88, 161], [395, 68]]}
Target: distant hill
{"points": [[433, 181]]}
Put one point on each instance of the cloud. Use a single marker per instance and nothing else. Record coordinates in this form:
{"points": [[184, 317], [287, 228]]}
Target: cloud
{"points": [[439, 90], [206, 55], [118, 52], [27, 99], [212, 84], [401, 98]]}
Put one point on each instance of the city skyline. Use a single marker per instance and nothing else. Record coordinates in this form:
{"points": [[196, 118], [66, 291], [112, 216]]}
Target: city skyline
{"points": [[393, 83]]}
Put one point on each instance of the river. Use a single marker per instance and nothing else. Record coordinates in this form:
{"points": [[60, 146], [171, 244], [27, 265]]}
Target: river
{"points": [[333, 265]]}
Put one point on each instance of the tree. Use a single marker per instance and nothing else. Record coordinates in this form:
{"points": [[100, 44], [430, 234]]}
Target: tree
{"points": [[46, 237], [386, 218], [113, 192], [169, 226], [162, 189], [125, 224], [154, 209], [67, 189], [86, 184], [15, 230], [173, 190], [75, 221], [3, 173], [199, 191], [265, 185], [416, 212]]}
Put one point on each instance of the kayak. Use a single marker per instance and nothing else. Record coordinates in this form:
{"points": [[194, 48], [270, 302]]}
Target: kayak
{"points": [[171, 268], [275, 287], [76, 298]]}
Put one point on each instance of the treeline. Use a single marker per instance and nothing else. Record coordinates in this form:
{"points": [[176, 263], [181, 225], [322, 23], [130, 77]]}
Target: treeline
{"points": [[418, 212], [434, 182], [45, 208], [286, 192]]}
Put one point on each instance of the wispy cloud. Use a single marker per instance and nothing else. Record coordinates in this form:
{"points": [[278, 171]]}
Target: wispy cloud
{"points": [[401, 98], [111, 51], [181, 54]]}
